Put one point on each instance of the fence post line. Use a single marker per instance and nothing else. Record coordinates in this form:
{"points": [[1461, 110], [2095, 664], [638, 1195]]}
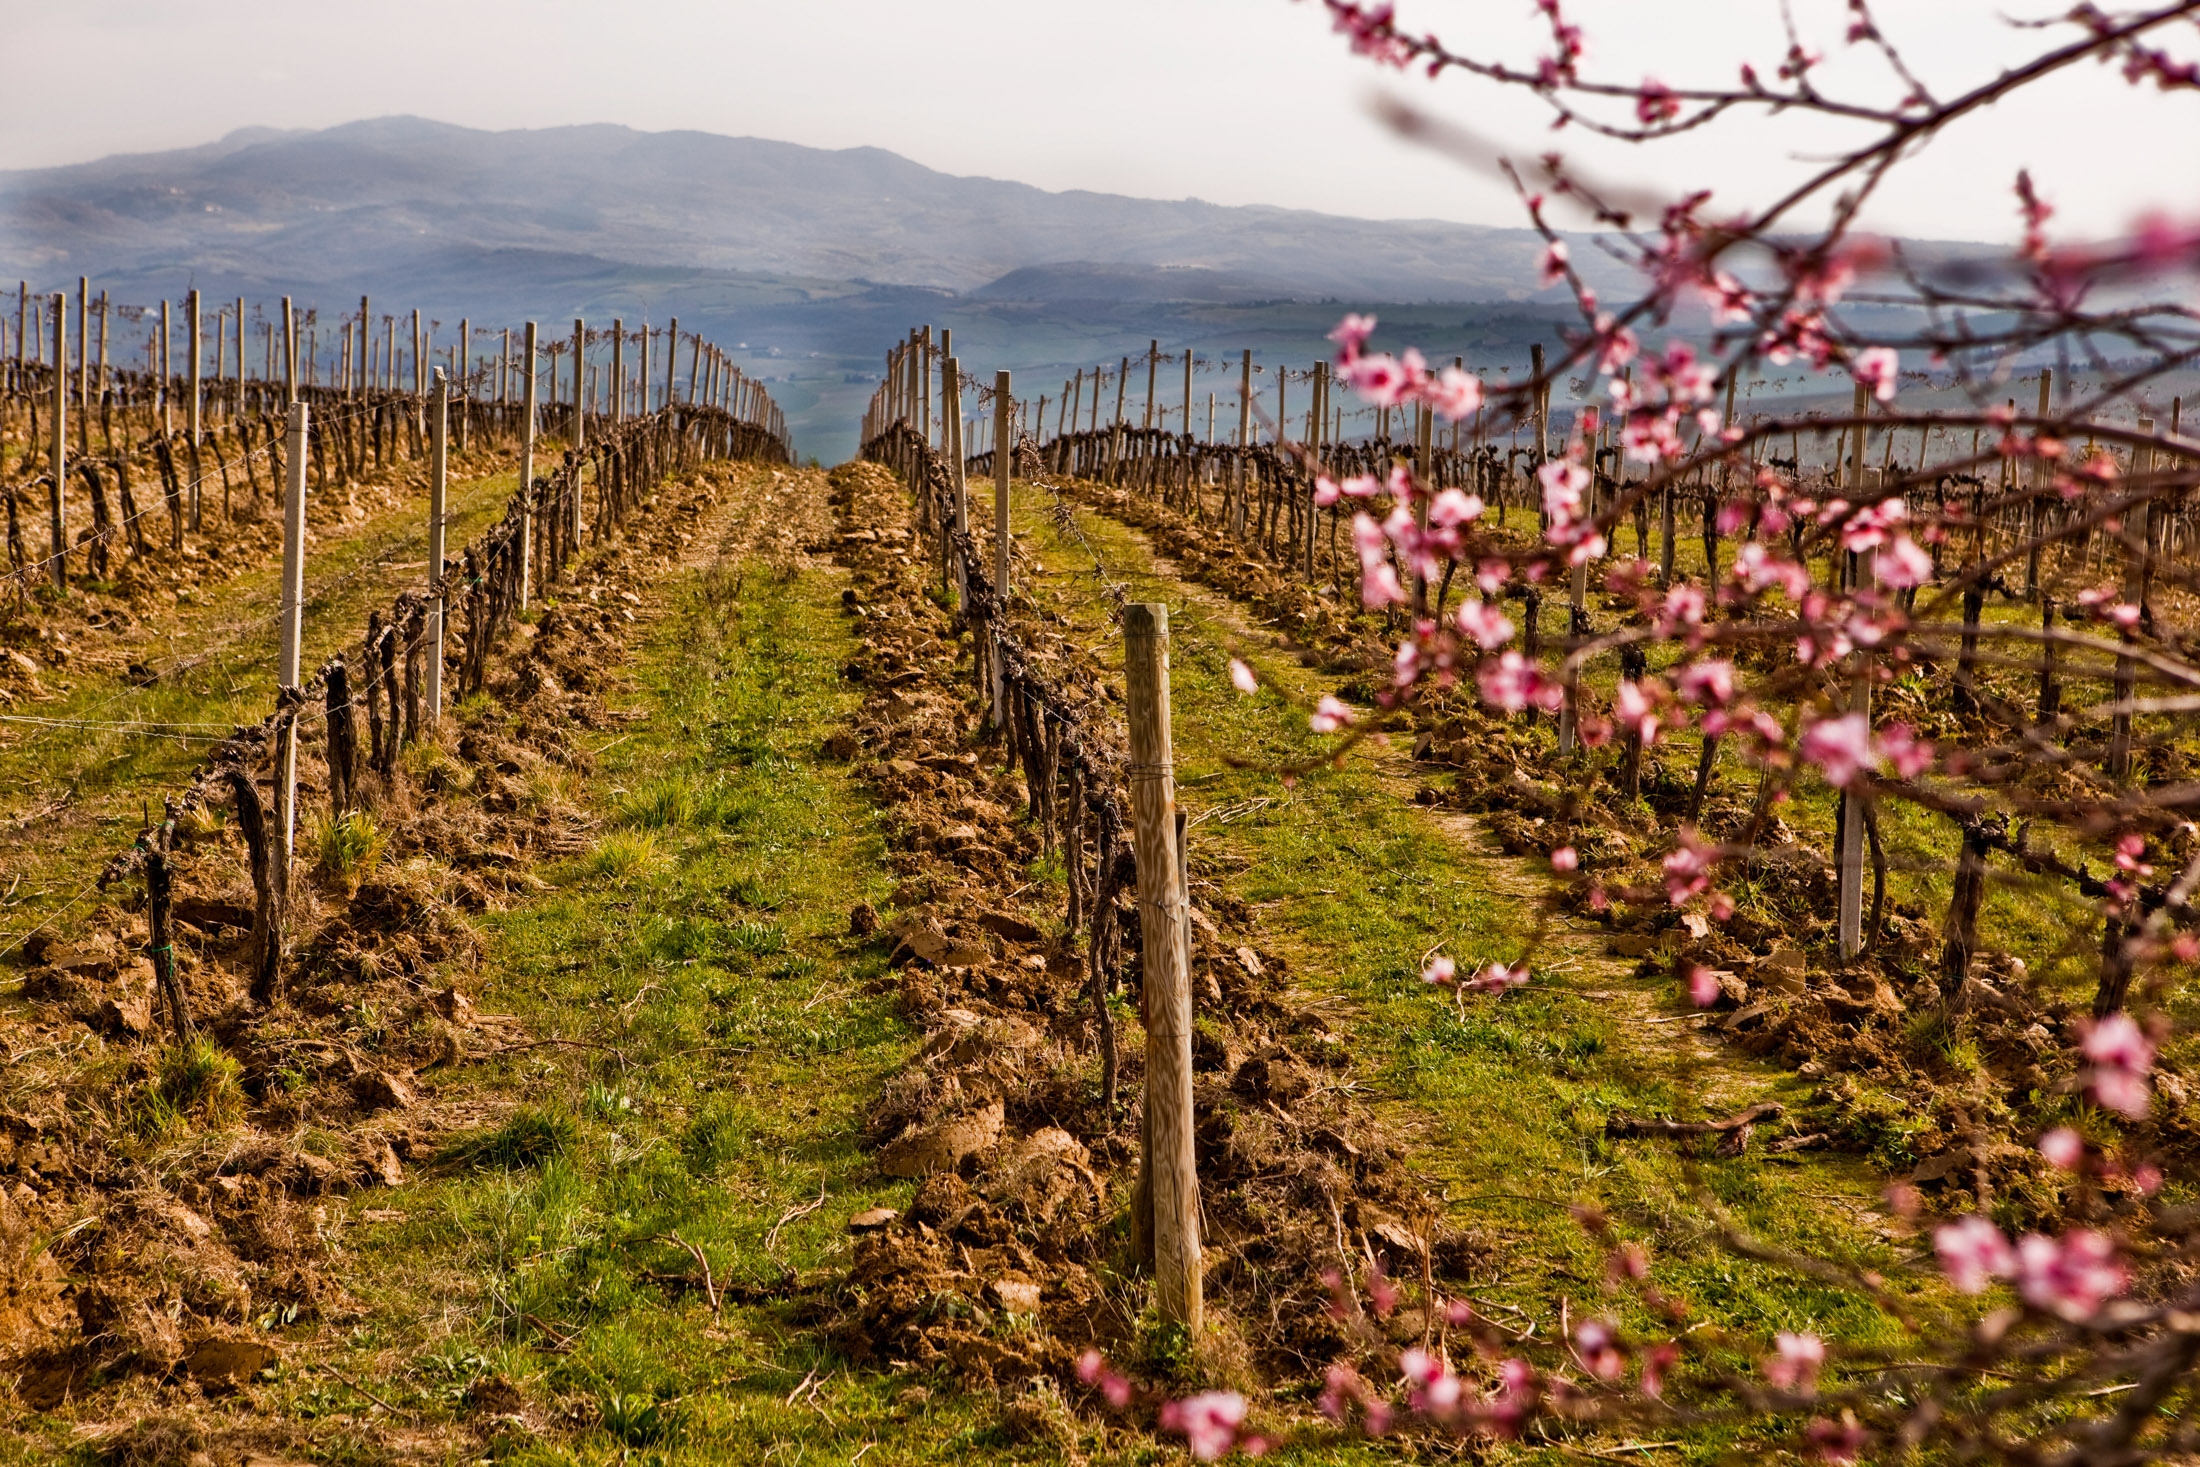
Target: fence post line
{"points": [[292, 616], [1171, 1168], [527, 467], [439, 464], [59, 452]]}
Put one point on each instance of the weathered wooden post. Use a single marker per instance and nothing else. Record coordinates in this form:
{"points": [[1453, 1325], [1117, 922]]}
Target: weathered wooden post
{"points": [[191, 340], [580, 416], [1170, 1167], [160, 386], [527, 467], [1849, 914], [439, 427], [290, 353], [84, 365], [58, 459], [1245, 440], [618, 370], [292, 617], [2137, 549], [1003, 409]]}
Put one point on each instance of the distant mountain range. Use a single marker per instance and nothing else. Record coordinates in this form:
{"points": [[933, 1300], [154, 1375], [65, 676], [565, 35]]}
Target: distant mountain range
{"points": [[340, 205], [812, 261]]}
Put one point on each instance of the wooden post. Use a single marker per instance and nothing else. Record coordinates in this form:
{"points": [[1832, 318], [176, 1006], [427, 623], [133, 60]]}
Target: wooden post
{"points": [[290, 353], [439, 427], [580, 386], [160, 387], [1002, 410], [191, 340], [1170, 1164], [526, 466], [58, 454], [359, 382], [2137, 549], [1849, 872], [292, 617], [618, 370], [462, 355], [84, 364], [1153, 366], [672, 355]]}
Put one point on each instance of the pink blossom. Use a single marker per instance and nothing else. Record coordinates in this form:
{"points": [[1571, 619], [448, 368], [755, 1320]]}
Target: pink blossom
{"points": [[1405, 665], [1902, 564], [1840, 747], [1325, 491], [1379, 378], [2071, 1276], [1688, 868], [1795, 1362], [1703, 986], [1838, 1442], [1329, 716], [1878, 367], [1553, 268], [1453, 393], [1565, 858], [1435, 1390], [1709, 682], [1655, 103], [2122, 1056], [1563, 483], [1972, 1252], [1683, 607], [1092, 1369], [1636, 709], [1496, 978], [1361, 486], [1440, 971], [2063, 1147], [1454, 507], [1379, 586], [1209, 1421], [1900, 747], [1486, 622], [1352, 334], [1242, 677], [1512, 683], [1617, 346], [1597, 1346]]}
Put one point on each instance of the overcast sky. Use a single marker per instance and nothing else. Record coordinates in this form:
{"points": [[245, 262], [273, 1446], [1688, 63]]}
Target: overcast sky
{"points": [[1234, 101]]}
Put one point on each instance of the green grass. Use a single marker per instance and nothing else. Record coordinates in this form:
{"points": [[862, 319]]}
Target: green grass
{"points": [[721, 1036], [216, 656], [1501, 1102]]}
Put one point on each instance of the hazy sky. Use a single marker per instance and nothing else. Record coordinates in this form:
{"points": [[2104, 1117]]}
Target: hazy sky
{"points": [[1235, 101]]}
